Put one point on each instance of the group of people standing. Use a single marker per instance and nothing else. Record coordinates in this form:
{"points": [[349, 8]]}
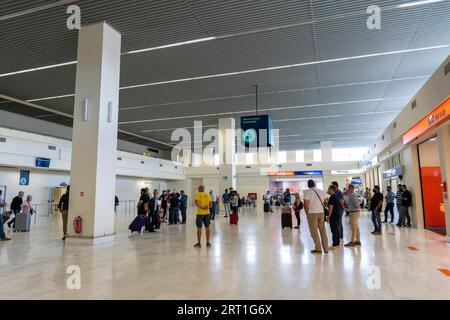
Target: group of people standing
{"points": [[172, 201], [321, 207], [18, 205]]}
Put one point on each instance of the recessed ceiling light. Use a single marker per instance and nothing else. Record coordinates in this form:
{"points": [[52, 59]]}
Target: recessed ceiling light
{"points": [[296, 65], [38, 68], [417, 3], [171, 45]]}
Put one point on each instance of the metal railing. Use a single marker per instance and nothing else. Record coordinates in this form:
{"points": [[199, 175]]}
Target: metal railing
{"points": [[127, 206]]}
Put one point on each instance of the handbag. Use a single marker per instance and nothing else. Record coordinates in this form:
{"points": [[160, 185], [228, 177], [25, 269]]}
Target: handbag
{"points": [[325, 209]]}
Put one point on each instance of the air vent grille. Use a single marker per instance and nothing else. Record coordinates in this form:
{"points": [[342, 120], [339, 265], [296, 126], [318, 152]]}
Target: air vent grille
{"points": [[51, 148], [119, 159], [414, 104], [2, 139], [395, 124]]}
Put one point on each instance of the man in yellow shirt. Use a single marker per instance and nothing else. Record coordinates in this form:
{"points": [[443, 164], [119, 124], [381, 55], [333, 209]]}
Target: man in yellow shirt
{"points": [[203, 202]]}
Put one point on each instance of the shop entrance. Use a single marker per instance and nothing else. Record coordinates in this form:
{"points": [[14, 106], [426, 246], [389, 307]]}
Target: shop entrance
{"points": [[278, 185], [432, 196]]}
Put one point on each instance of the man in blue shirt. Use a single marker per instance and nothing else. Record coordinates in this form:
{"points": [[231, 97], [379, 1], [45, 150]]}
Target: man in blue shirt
{"points": [[183, 206], [226, 203], [341, 206], [287, 196]]}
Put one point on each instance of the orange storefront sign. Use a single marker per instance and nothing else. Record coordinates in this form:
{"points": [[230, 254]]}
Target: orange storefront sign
{"points": [[281, 174], [434, 118]]}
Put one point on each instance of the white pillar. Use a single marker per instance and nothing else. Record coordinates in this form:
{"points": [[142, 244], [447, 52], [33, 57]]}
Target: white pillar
{"points": [[325, 147], [227, 151], [444, 152], [94, 143], [291, 156], [309, 156]]}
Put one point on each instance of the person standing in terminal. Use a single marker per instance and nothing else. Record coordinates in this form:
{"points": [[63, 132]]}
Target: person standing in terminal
{"points": [[368, 197], [390, 198], [174, 207], [63, 207], [183, 206], [340, 199], [203, 202], [16, 206], [234, 202], [314, 206], [153, 211], [334, 217], [3, 236], [226, 203], [287, 197], [214, 204], [354, 209], [27, 206], [375, 207], [406, 203], [297, 206], [267, 202], [398, 203], [164, 205]]}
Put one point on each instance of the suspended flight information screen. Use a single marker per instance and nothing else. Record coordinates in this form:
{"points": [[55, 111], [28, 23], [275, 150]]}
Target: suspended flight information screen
{"points": [[253, 126]]}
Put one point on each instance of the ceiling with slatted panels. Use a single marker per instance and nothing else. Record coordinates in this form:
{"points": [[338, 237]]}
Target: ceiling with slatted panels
{"points": [[332, 83]]}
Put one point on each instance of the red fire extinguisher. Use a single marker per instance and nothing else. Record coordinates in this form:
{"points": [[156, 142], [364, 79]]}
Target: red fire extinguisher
{"points": [[77, 224]]}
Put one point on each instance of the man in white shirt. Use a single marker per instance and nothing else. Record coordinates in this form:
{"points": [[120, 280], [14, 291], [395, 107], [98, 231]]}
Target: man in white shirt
{"points": [[267, 197], [314, 201]]}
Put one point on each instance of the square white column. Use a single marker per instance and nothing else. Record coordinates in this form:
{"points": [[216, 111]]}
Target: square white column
{"points": [[227, 152], [94, 143]]}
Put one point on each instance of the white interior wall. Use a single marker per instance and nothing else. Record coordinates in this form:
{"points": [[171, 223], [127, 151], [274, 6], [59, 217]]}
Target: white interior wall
{"points": [[127, 188]]}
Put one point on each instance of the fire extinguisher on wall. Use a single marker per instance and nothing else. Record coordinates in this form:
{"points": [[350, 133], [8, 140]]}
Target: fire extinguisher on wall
{"points": [[77, 224]]}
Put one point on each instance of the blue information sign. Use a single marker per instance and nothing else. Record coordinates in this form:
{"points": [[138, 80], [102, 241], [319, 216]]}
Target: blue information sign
{"points": [[24, 179]]}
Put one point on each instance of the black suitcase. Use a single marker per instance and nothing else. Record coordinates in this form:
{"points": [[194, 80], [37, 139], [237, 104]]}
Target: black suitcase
{"points": [[286, 220], [266, 207]]}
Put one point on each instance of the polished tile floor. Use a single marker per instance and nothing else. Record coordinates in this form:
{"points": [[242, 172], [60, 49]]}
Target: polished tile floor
{"points": [[255, 260]]}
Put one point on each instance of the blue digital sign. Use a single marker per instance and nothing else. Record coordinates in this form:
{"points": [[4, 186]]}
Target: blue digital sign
{"points": [[309, 173], [43, 162]]}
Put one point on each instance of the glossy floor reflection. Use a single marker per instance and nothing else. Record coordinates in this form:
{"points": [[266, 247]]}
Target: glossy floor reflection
{"points": [[255, 260]]}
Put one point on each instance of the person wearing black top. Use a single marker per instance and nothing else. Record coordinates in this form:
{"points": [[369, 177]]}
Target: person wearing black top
{"points": [[153, 211], [63, 207], [406, 203], [334, 218], [16, 205], [145, 198], [375, 206], [174, 207], [164, 205]]}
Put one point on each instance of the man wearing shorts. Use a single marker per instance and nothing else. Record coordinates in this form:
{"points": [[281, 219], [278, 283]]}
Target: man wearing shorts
{"points": [[203, 202]]}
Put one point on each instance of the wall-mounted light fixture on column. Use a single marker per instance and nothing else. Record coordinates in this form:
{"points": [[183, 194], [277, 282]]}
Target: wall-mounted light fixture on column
{"points": [[85, 109], [110, 114]]}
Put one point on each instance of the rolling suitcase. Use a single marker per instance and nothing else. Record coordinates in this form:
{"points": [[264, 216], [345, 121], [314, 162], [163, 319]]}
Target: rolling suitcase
{"points": [[233, 218], [137, 224], [23, 222], [266, 207], [286, 220]]}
